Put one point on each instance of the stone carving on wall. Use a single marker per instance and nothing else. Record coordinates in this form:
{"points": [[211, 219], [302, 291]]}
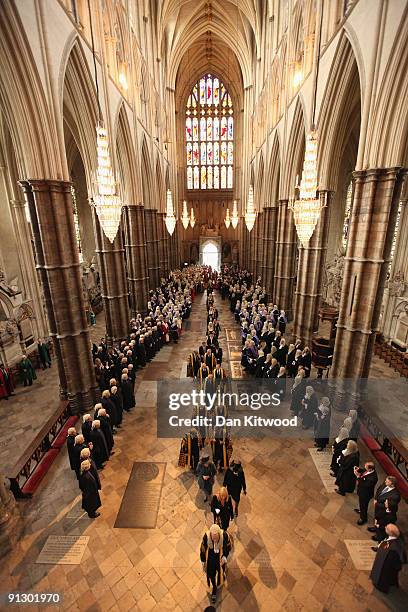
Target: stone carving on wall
{"points": [[334, 280], [396, 285]]}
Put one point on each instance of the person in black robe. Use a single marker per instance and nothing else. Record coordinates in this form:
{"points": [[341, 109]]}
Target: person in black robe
{"points": [[70, 446], [141, 352], [206, 472], [306, 361], [309, 408], [214, 550], [116, 397], [86, 427], [273, 369], [338, 446], [99, 448], [221, 507], [132, 375], [217, 352], [298, 392], [110, 408], [366, 480], [282, 353], [44, 354], [106, 427], [322, 424], [290, 361], [89, 487], [346, 478], [282, 321], [127, 393], [234, 480], [280, 383], [86, 455], [79, 444], [390, 557]]}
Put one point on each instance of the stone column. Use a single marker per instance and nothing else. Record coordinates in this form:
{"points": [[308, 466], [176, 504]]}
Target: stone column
{"points": [[152, 247], [259, 237], [372, 224], [271, 215], [50, 205], [135, 245], [310, 274], [165, 244], [285, 259], [115, 292], [10, 524], [262, 248]]}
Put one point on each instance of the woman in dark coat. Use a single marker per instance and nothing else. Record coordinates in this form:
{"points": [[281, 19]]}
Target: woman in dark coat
{"points": [[339, 445], [127, 393], [309, 407], [298, 391], [221, 507], [206, 472], [322, 424], [349, 459], [234, 481], [89, 487], [99, 449]]}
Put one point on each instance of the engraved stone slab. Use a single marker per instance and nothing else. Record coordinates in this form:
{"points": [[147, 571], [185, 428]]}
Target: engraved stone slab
{"points": [[322, 463], [63, 550], [236, 369], [361, 553], [141, 501], [232, 335]]}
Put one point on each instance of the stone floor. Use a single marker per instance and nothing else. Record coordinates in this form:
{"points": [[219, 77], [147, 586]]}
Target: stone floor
{"points": [[289, 549]]}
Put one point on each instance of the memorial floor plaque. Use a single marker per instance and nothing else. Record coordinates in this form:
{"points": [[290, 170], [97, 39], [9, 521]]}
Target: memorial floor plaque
{"points": [[232, 335], [236, 369], [63, 550], [361, 554], [141, 501], [322, 463]]}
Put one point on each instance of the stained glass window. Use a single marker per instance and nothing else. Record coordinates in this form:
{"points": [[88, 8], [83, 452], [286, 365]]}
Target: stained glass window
{"points": [[209, 135]]}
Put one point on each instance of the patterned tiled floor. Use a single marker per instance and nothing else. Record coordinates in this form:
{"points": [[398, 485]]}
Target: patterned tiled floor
{"points": [[289, 538]]}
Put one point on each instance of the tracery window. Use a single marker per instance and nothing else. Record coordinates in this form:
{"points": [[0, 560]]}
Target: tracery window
{"points": [[209, 135]]}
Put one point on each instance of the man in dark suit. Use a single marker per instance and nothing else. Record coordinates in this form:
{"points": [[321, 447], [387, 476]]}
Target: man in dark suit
{"points": [[366, 480], [387, 490]]}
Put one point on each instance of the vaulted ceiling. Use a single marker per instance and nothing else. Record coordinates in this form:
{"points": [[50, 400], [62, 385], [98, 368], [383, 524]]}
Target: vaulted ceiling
{"points": [[202, 35]]}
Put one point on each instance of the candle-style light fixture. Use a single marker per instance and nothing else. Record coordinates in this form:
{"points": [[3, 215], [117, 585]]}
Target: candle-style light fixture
{"points": [[234, 216], [250, 213], [107, 203], [227, 219], [170, 218], [307, 208], [192, 217], [185, 219]]}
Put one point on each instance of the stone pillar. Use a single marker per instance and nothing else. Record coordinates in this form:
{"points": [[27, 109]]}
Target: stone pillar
{"points": [[310, 276], [152, 247], [135, 245], [165, 240], [10, 524], [271, 215], [115, 292], [258, 247], [50, 205], [285, 259], [372, 224]]}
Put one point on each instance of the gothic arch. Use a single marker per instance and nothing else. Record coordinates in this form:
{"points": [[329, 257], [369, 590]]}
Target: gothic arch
{"points": [[161, 195], [273, 173], [147, 178], [340, 110], [294, 152], [259, 186], [126, 158], [23, 102]]}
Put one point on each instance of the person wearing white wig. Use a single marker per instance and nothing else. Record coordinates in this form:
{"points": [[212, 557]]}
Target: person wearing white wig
{"points": [[86, 455], [99, 446], [86, 427], [322, 424], [214, 551], [89, 487], [339, 445], [70, 446], [346, 477]]}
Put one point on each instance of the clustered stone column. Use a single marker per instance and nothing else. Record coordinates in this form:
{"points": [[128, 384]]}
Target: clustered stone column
{"points": [[310, 276], [115, 293], [135, 245], [259, 237], [285, 272], [56, 253], [162, 245], [372, 226], [152, 247], [270, 221]]}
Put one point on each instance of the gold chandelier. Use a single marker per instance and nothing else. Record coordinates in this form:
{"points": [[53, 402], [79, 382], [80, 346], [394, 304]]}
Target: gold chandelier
{"points": [[107, 204], [170, 219], [185, 219], [192, 217], [307, 209], [250, 213], [234, 217], [227, 219]]}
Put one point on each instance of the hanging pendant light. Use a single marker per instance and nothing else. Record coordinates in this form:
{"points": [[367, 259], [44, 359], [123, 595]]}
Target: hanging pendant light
{"points": [[170, 219], [250, 213], [234, 216], [185, 219], [307, 209], [107, 203], [192, 217], [227, 219]]}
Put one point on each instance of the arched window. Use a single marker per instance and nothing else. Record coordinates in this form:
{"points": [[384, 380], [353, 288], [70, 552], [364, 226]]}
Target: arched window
{"points": [[209, 135]]}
